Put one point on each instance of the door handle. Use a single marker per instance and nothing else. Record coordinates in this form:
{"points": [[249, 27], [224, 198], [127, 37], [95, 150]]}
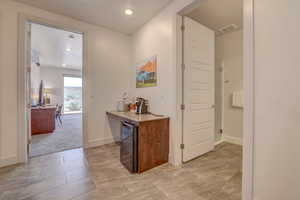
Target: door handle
{"points": [[213, 106], [128, 124]]}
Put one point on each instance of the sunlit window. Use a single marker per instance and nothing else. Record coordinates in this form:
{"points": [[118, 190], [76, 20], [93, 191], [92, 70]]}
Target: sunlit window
{"points": [[72, 94]]}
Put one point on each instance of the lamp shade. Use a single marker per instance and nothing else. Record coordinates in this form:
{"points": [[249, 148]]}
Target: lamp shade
{"points": [[48, 90]]}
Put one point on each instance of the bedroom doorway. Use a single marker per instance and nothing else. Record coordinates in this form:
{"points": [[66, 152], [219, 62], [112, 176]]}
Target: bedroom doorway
{"points": [[55, 89]]}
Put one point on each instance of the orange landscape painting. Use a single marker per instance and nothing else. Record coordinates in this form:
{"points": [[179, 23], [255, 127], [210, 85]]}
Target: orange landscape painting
{"points": [[146, 75]]}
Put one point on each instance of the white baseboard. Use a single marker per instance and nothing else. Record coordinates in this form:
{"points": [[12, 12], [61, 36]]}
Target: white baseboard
{"points": [[99, 142], [171, 159], [219, 142], [233, 140], [11, 160], [229, 139]]}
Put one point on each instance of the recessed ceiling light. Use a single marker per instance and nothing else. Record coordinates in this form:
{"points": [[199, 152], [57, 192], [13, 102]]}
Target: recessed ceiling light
{"points": [[128, 11], [68, 49], [64, 65]]}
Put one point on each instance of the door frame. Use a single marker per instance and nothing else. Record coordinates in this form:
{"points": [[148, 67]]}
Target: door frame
{"points": [[22, 77], [221, 70], [249, 92]]}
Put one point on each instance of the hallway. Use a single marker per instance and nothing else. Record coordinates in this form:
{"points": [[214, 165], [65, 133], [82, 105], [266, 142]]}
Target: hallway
{"points": [[98, 174]]}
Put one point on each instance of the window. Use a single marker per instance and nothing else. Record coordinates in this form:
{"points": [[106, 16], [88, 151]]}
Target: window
{"points": [[72, 94]]}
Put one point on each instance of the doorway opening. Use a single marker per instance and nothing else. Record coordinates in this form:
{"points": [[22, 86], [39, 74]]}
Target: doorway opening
{"points": [[212, 92], [55, 89]]}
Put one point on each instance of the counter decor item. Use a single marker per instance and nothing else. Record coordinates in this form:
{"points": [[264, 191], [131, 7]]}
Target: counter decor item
{"points": [[141, 106], [123, 105], [132, 107]]}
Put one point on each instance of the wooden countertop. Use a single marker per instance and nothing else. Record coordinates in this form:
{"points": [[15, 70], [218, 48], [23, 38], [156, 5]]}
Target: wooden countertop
{"points": [[136, 117]]}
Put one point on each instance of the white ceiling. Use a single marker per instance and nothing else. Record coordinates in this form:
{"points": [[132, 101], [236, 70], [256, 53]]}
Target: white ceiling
{"points": [[50, 46], [216, 14], [108, 13]]}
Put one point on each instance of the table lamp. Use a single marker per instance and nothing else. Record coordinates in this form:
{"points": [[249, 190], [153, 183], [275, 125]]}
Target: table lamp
{"points": [[48, 91]]}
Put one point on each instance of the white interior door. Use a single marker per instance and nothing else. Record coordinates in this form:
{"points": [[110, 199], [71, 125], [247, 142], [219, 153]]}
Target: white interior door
{"points": [[199, 56]]}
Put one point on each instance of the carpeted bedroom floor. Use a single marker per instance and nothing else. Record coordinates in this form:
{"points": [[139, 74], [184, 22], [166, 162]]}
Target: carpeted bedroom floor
{"points": [[66, 136]]}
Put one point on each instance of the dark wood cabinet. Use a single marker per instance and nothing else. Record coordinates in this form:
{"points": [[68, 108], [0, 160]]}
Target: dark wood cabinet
{"points": [[42, 120], [153, 144], [147, 142]]}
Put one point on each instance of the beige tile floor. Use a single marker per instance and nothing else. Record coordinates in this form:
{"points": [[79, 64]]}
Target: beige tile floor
{"points": [[96, 174]]}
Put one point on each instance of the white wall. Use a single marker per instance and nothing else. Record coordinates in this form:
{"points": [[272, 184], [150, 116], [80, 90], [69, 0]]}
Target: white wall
{"points": [[277, 100], [108, 63], [53, 77], [158, 37], [2, 82], [229, 55]]}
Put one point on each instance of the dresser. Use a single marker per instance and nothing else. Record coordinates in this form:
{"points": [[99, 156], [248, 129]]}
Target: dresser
{"points": [[42, 120]]}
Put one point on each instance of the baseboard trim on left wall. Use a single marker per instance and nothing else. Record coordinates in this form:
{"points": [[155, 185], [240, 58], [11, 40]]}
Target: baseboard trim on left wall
{"points": [[11, 160], [99, 142]]}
